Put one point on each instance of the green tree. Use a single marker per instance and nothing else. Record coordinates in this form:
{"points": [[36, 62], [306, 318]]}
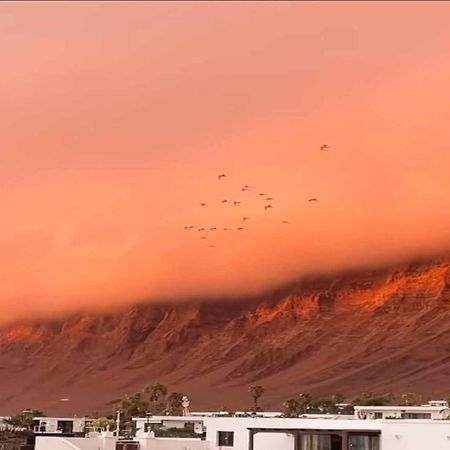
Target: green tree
{"points": [[305, 402], [328, 405], [156, 391], [292, 407], [24, 419], [256, 391], [134, 405], [369, 399], [411, 399], [175, 404], [104, 422]]}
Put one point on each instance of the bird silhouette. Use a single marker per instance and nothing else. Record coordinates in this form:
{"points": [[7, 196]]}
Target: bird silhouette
{"points": [[268, 199], [245, 218], [186, 228], [222, 175], [268, 207], [246, 188], [191, 227], [313, 200], [203, 204], [213, 228], [201, 229], [324, 147], [285, 222], [261, 194], [224, 201], [203, 237], [239, 228], [226, 229], [236, 203], [211, 246]]}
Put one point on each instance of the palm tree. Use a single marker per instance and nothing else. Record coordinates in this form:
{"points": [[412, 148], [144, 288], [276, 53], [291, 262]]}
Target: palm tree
{"points": [[256, 391], [156, 391]]}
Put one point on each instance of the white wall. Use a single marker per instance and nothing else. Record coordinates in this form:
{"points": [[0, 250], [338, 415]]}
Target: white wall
{"points": [[172, 444], [60, 443], [276, 441], [415, 435]]}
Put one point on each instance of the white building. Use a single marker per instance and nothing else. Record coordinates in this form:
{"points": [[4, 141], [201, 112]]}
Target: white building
{"points": [[59, 425], [193, 424], [432, 410], [312, 432]]}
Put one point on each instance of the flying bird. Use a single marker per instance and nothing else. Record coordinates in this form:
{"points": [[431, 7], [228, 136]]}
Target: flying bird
{"points": [[261, 194], [239, 228], [236, 203], [268, 199], [211, 246], [267, 207], [313, 200], [224, 201], [285, 222], [226, 229], [324, 147], [201, 229], [245, 218], [203, 204], [213, 228], [203, 237], [222, 175], [245, 188]]}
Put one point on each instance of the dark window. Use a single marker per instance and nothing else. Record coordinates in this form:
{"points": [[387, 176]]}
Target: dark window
{"points": [[359, 442], [65, 426], [416, 415], [377, 415], [225, 438], [321, 442]]}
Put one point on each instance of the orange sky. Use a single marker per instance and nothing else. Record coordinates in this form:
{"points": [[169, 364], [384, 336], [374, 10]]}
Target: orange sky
{"points": [[116, 119]]}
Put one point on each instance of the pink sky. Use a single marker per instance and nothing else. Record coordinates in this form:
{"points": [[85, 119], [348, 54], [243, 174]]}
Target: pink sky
{"points": [[116, 119]]}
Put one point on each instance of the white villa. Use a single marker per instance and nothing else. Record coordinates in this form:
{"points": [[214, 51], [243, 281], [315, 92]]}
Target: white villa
{"points": [[425, 427]]}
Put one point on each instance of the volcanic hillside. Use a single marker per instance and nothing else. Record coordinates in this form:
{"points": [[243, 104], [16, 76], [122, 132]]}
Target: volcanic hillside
{"points": [[384, 331]]}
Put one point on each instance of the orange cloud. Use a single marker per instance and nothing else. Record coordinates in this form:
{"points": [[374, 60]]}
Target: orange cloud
{"points": [[118, 118]]}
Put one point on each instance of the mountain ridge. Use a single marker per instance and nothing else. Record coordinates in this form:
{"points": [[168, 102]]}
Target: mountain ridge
{"points": [[381, 330]]}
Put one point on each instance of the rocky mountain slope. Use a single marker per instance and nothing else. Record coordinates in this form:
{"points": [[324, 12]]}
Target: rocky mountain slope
{"points": [[385, 331]]}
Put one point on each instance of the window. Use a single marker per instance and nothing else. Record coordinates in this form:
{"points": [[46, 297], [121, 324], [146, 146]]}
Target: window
{"points": [[416, 415], [316, 442], [378, 415], [225, 438], [363, 442]]}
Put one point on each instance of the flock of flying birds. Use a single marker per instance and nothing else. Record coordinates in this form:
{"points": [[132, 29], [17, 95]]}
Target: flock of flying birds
{"points": [[268, 204]]}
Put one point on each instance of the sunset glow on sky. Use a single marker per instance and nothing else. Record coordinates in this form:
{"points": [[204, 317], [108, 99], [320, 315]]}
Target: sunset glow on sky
{"points": [[117, 118]]}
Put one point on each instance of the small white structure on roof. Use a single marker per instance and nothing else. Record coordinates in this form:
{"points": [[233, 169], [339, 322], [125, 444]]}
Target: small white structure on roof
{"points": [[59, 425], [195, 424], [432, 410]]}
